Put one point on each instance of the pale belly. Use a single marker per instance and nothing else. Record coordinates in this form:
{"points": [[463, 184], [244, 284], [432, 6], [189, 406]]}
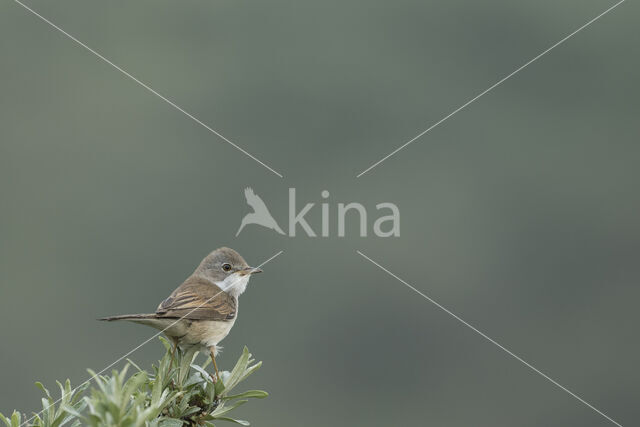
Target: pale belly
{"points": [[205, 333]]}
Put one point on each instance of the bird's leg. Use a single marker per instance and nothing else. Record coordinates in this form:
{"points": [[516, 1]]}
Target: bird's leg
{"points": [[212, 350], [173, 354]]}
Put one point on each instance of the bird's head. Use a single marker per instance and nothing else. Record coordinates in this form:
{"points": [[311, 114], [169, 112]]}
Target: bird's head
{"points": [[227, 269]]}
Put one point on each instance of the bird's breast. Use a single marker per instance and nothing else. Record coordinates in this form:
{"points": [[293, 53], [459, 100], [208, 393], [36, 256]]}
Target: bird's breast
{"points": [[205, 332]]}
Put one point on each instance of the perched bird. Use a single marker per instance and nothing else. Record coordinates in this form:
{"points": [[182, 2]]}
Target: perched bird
{"points": [[202, 310], [260, 214]]}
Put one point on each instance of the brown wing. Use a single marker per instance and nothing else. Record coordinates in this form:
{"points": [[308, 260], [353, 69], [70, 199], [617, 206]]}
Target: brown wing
{"points": [[198, 299]]}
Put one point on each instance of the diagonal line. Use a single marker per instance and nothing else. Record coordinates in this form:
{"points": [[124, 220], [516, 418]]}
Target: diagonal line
{"points": [[491, 340], [148, 340], [147, 87], [499, 82]]}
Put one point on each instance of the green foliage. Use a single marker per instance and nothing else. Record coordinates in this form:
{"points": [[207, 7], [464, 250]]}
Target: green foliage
{"points": [[177, 393], [14, 421]]}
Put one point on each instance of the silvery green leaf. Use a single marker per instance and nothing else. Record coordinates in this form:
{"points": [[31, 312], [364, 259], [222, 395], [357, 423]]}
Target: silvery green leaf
{"points": [[142, 400], [187, 359], [72, 411], [191, 411], [206, 363], [204, 373], [134, 364], [44, 390], [239, 369], [165, 343], [250, 371], [15, 420], [134, 383], [224, 376], [219, 387], [241, 422], [170, 422], [221, 410], [257, 394], [195, 378]]}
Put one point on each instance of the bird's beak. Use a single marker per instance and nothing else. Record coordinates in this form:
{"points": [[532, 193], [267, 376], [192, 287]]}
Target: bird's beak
{"points": [[250, 270]]}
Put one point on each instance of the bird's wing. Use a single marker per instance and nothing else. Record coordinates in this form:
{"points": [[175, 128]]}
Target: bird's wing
{"points": [[255, 201], [198, 299]]}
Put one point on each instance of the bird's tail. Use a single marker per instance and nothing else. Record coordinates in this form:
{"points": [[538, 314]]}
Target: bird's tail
{"points": [[132, 317], [170, 326], [145, 319]]}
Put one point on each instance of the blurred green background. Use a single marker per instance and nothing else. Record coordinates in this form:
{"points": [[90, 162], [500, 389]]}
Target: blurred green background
{"points": [[520, 213]]}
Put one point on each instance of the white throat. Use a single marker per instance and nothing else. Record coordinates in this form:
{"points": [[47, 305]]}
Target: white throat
{"points": [[234, 284]]}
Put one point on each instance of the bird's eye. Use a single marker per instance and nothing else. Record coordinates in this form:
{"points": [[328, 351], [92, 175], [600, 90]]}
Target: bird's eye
{"points": [[226, 267]]}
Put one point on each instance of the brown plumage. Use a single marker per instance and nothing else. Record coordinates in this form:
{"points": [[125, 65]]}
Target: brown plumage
{"points": [[198, 299], [202, 310]]}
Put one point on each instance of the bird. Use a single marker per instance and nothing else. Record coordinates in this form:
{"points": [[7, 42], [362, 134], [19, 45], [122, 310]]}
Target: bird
{"points": [[260, 214], [203, 309]]}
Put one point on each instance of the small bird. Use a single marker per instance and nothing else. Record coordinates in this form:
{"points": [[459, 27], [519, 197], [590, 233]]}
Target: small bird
{"points": [[203, 309], [260, 215]]}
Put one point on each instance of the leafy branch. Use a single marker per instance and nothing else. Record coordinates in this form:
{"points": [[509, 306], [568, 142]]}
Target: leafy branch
{"points": [[177, 393]]}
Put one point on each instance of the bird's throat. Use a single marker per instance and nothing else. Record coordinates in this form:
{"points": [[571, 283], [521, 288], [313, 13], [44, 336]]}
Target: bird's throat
{"points": [[234, 284]]}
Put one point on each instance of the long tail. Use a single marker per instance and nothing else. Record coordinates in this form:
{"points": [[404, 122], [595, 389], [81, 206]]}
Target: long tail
{"points": [[164, 324], [132, 317]]}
